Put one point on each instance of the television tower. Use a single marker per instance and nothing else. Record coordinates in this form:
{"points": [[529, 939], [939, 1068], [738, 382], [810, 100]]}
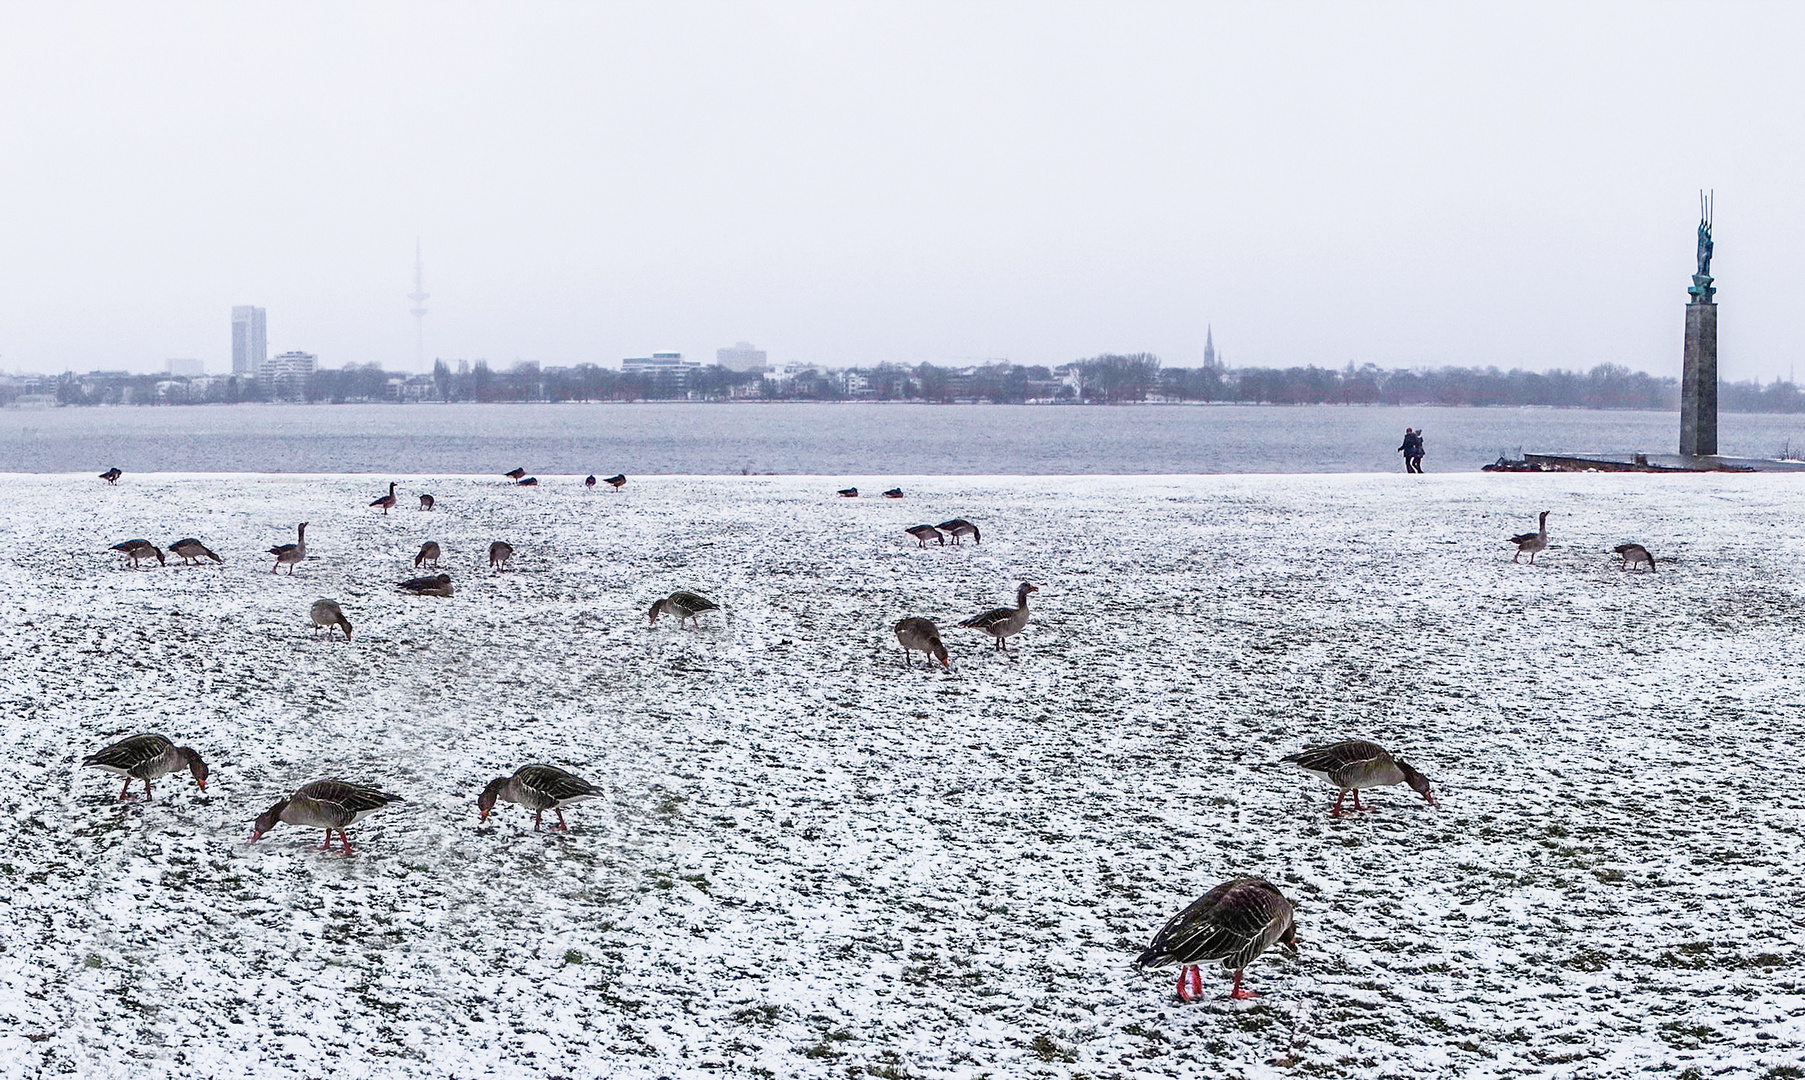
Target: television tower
{"points": [[419, 297]]}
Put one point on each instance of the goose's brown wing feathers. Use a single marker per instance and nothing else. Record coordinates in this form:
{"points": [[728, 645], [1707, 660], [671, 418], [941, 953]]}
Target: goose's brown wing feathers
{"points": [[349, 799], [1341, 757], [552, 785], [1233, 923], [130, 754], [994, 617]]}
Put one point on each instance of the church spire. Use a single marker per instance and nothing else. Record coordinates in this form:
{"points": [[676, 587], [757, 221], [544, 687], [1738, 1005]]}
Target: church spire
{"points": [[1209, 346]]}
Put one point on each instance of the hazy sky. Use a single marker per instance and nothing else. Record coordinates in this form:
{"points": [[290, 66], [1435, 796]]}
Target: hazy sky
{"points": [[851, 183]]}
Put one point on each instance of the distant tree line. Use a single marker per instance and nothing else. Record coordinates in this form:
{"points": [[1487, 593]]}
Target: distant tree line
{"points": [[1106, 379]]}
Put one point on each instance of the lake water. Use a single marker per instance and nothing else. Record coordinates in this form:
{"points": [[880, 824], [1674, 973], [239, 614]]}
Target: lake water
{"points": [[829, 439]]}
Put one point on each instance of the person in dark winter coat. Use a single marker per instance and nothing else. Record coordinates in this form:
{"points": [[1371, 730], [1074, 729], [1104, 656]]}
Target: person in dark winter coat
{"points": [[1412, 451]]}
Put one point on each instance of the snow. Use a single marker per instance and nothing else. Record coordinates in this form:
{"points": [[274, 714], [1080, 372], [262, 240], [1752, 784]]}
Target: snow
{"points": [[814, 863]]}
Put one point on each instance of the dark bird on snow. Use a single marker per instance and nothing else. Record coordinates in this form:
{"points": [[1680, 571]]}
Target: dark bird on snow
{"points": [[326, 613], [531, 481], [590, 483], [538, 788], [686, 606], [193, 551], [291, 553], [1003, 623], [146, 757], [1232, 923], [893, 493], [1355, 764], [916, 634], [514, 474], [112, 475], [436, 585], [958, 528], [617, 481], [324, 804], [385, 501], [1635, 554], [1532, 542], [924, 533], [848, 493], [137, 551], [501, 553], [427, 502], [429, 553]]}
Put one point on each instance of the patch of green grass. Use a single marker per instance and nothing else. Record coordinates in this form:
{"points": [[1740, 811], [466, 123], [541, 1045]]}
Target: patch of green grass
{"points": [[1046, 1048]]}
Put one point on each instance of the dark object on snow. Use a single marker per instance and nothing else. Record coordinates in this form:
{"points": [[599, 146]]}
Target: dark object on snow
{"points": [[848, 493], [531, 481], [112, 475], [617, 481], [1635, 553], [893, 493], [436, 585], [1232, 923], [1355, 764], [959, 527], [538, 788], [924, 533], [514, 474]]}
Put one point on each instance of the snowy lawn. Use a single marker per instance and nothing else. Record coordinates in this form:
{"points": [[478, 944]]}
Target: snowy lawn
{"points": [[814, 863]]}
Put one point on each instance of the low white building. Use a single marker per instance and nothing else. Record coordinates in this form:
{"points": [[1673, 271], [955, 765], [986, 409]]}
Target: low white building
{"points": [[664, 367]]}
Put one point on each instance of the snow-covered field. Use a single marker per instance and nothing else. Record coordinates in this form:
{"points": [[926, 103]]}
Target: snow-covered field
{"points": [[814, 863]]}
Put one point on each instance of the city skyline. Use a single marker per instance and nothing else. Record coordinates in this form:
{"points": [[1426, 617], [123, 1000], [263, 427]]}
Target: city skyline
{"points": [[1403, 185]]}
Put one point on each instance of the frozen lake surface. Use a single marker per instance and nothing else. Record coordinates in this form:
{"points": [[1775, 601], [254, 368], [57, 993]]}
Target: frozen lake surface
{"points": [[813, 863], [828, 439]]}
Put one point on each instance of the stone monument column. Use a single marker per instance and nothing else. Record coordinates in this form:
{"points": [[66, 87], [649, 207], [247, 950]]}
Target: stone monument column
{"points": [[1698, 376]]}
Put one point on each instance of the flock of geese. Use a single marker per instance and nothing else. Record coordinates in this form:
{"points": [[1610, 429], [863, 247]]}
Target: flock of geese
{"points": [[1232, 924]]}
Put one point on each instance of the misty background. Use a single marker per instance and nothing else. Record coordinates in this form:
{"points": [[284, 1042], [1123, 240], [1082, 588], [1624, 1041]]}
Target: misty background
{"points": [[1404, 185]]}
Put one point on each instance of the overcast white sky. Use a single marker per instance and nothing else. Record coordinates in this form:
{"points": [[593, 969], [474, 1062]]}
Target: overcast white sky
{"points": [[851, 183]]}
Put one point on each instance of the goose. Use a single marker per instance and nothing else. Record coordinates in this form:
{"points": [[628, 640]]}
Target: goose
{"points": [[1003, 623], [538, 788], [531, 481], [429, 553], [1634, 554], [590, 482], [959, 527], [327, 613], [291, 553], [1233, 923], [917, 634], [427, 502], [193, 551], [686, 606], [385, 501], [893, 493], [112, 475], [617, 481], [848, 493], [136, 551], [146, 757], [1532, 542], [923, 533], [514, 474], [501, 553], [324, 804], [436, 585], [1356, 764]]}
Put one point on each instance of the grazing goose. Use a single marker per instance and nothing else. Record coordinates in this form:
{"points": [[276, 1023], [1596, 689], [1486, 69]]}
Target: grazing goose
{"points": [[436, 585], [429, 553], [514, 474], [385, 501], [326, 613], [893, 493], [146, 757], [538, 788], [501, 553], [959, 527], [531, 481], [924, 533], [917, 634], [1634, 554], [617, 481], [686, 606], [1532, 542], [291, 553], [590, 482], [1234, 923], [1003, 623], [848, 493], [324, 804], [427, 502], [112, 475], [136, 551], [193, 551], [1357, 764]]}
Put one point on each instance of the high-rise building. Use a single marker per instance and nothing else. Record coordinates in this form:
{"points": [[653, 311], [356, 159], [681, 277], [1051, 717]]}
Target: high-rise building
{"points": [[742, 357], [285, 375], [250, 341]]}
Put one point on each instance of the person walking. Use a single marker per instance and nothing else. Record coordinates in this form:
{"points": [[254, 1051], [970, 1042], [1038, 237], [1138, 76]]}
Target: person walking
{"points": [[1414, 461], [1409, 449]]}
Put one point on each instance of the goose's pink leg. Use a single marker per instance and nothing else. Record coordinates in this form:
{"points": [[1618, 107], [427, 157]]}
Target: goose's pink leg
{"points": [[1239, 994]]}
